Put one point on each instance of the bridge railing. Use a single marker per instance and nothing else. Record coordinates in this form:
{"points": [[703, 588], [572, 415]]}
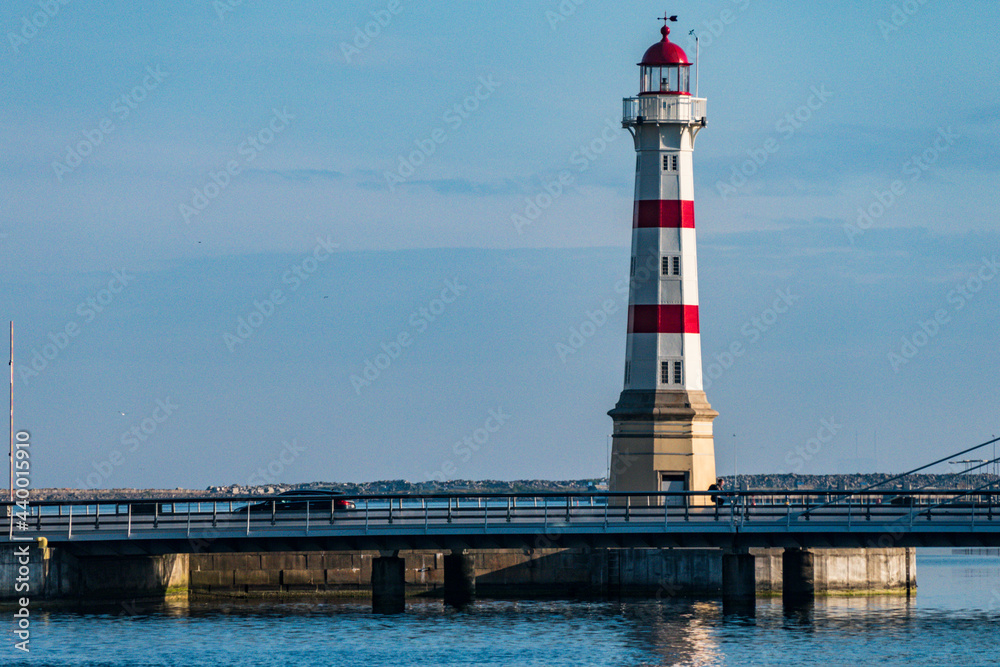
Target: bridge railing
{"points": [[250, 514]]}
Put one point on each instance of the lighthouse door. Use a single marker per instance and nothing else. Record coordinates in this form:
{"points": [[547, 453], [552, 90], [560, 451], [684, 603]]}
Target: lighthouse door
{"points": [[673, 483]]}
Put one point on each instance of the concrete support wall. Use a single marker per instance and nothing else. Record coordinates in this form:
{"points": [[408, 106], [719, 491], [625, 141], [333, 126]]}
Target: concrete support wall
{"points": [[564, 572], [23, 579], [131, 577], [656, 573], [665, 573], [497, 573], [863, 571], [306, 573], [62, 576], [767, 571], [568, 572]]}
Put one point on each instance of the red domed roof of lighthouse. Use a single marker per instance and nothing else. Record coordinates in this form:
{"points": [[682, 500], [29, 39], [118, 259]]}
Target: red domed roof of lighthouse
{"points": [[664, 52]]}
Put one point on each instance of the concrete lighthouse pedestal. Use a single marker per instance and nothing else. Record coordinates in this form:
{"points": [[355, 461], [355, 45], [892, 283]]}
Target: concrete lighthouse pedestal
{"points": [[662, 442]]}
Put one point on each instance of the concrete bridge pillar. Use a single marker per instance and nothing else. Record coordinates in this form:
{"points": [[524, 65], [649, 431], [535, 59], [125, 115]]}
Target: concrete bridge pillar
{"points": [[388, 584], [459, 578], [739, 580], [798, 576]]}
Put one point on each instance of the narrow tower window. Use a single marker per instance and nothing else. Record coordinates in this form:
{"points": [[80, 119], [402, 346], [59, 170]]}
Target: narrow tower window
{"points": [[672, 372], [676, 266], [627, 371], [631, 272], [670, 265], [670, 162]]}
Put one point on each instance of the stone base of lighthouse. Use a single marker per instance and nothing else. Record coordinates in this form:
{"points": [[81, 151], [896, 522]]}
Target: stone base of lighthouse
{"points": [[662, 441]]}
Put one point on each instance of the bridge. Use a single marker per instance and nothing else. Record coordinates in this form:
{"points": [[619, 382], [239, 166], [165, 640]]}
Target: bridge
{"points": [[824, 519], [106, 531]]}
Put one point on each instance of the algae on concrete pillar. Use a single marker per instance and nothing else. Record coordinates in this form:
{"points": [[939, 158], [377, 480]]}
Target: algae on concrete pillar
{"points": [[459, 578], [388, 585]]}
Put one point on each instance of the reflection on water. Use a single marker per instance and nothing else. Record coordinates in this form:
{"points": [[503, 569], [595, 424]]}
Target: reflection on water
{"points": [[677, 633], [948, 623]]}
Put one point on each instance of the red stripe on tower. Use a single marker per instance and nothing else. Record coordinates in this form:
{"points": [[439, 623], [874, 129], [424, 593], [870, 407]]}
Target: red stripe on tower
{"points": [[674, 213], [665, 319]]}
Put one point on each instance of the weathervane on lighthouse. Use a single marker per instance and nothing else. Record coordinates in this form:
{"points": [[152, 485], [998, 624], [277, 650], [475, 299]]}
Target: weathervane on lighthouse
{"points": [[662, 438]]}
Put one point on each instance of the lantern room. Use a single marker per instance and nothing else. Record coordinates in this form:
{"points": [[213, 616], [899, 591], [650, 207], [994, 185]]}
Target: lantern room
{"points": [[665, 69]]}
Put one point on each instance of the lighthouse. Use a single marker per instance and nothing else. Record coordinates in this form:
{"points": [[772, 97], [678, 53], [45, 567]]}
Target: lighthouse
{"points": [[662, 439]]}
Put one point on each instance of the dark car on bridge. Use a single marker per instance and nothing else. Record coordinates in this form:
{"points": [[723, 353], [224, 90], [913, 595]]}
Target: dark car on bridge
{"points": [[297, 500]]}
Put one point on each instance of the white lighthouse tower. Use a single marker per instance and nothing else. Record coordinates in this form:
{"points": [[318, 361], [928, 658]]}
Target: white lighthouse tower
{"points": [[663, 422]]}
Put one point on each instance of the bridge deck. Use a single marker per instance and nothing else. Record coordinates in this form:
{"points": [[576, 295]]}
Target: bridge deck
{"points": [[806, 519]]}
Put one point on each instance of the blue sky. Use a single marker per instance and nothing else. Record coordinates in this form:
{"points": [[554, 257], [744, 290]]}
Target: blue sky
{"points": [[236, 162]]}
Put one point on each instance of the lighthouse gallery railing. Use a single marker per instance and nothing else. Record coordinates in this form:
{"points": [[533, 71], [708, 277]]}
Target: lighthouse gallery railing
{"points": [[663, 108]]}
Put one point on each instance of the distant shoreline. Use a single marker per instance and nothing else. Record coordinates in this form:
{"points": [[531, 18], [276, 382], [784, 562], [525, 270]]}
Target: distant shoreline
{"points": [[763, 482]]}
